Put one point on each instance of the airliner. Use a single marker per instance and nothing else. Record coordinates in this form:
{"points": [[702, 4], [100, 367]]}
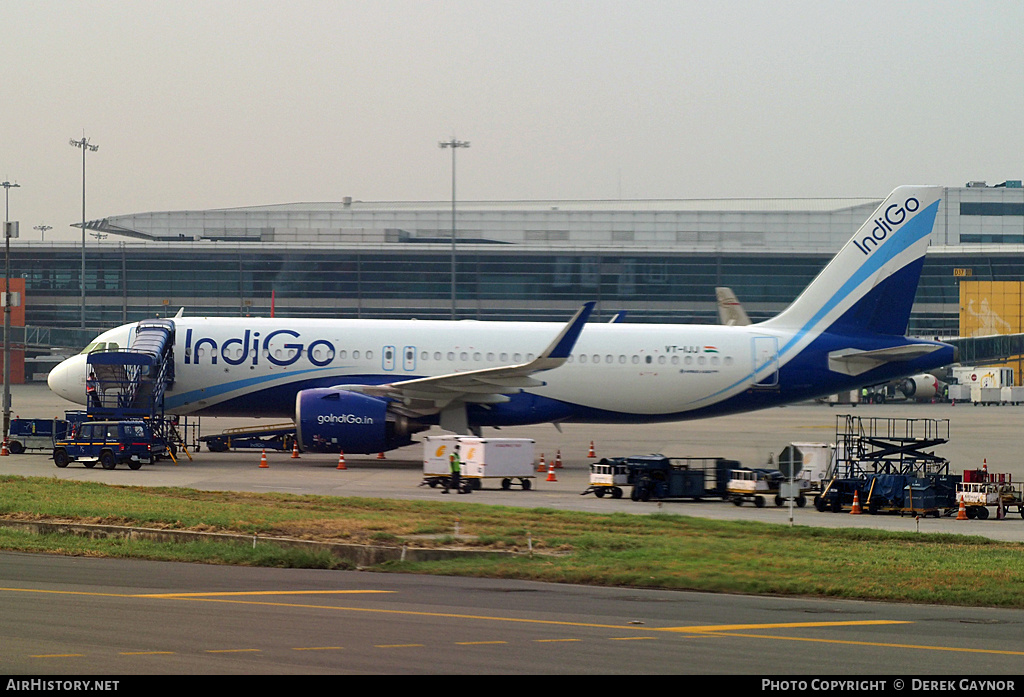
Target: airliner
{"points": [[367, 386]]}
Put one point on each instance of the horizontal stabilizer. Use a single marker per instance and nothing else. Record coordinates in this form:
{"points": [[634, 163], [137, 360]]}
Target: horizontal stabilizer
{"points": [[856, 361]]}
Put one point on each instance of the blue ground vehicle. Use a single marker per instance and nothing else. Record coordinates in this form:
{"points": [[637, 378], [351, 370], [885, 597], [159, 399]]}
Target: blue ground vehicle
{"points": [[660, 477], [109, 443], [35, 434]]}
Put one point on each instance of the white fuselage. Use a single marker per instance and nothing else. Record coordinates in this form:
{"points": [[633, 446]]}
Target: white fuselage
{"points": [[645, 370]]}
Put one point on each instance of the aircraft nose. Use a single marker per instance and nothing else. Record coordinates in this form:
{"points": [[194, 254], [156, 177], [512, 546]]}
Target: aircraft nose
{"points": [[61, 382]]}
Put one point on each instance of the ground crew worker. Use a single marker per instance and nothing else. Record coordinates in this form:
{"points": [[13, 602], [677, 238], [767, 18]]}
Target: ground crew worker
{"points": [[456, 472], [92, 390]]}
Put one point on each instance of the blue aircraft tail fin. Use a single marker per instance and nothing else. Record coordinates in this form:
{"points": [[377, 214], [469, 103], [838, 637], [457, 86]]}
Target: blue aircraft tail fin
{"points": [[869, 287]]}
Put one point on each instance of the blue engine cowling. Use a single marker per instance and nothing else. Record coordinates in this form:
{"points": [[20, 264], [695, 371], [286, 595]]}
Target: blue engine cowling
{"points": [[331, 421]]}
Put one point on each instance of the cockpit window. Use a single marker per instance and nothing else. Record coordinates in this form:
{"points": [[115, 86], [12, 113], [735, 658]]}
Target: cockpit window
{"points": [[101, 346]]}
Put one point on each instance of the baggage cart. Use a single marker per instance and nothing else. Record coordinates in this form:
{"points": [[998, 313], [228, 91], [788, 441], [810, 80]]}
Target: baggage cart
{"points": [[509, 460], [35, 434]]}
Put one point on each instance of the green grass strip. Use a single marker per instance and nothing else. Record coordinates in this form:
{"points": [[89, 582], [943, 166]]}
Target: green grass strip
{"points": [[652, 551]]}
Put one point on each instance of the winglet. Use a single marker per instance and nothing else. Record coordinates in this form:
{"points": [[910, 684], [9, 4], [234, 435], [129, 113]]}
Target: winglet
{"points": [[562, 346]]}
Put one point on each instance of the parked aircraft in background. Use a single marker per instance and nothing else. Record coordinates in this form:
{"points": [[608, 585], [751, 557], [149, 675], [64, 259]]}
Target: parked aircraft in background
{"points": [[730, 312], [366, 386]]}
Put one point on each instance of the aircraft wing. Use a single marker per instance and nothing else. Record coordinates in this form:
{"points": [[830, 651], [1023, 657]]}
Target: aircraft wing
{"points": [[422, 396]]}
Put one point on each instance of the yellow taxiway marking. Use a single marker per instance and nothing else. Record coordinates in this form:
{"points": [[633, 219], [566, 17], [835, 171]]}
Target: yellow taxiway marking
{"points": [[58, 655], [318, 648], [249, 593], [879, 644], [738, 630], [554, 641], [632, 638], [399, 646], [193, 595], [779, 625]]}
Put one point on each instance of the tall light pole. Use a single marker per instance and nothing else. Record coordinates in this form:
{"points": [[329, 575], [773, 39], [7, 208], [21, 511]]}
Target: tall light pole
{"points": [[7, 307], [454, 145], [42, 231], [86, 146]]}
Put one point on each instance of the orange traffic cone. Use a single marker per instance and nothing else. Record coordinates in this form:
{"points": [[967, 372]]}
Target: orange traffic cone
{"points": [[551, 473], [295, 450], [341, 461], [962, 513], [541, 467], [263, 459], [3, 449], [591, 453], [856, 503], [558, 459], [380, 456]]}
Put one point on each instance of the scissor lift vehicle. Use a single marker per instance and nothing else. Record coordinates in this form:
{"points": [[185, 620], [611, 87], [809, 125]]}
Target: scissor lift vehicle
{"points": [[878, 459]]}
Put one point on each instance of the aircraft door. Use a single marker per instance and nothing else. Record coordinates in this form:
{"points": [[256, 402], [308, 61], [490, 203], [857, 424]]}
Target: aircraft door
{"points": [[766, 362], [388, 357], [409, 358]]}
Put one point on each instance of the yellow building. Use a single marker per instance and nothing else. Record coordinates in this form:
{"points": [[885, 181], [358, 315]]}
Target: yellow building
{"points": [[993, 307]]}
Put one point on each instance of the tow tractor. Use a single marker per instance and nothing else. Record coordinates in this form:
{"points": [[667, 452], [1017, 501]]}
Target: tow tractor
{"points": [[757, 486], [608, 477]]}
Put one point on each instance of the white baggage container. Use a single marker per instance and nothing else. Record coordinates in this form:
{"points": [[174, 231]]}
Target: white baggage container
{"points": [[436, 451], [507, 459], [504, 458], [959, 393], [1012, 395], [986, 395]]}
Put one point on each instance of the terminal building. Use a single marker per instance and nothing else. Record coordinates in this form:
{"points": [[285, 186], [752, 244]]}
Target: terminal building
{"points": [[657, 260]]}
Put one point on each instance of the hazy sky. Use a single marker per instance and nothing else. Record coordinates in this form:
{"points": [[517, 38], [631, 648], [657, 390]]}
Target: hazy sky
{"points": [[211, 103]]}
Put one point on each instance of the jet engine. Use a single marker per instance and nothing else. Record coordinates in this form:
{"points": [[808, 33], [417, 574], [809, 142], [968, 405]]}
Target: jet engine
{"points": [[922, 386], [331, 421]]}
